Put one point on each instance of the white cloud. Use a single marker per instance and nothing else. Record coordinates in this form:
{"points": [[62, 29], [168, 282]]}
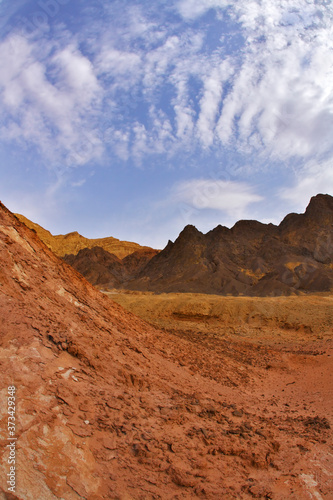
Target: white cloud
{"points": [[230, 197], [210, 102], [140, 146], [185, 123], [79, 183], [125, 66], [49, 101], [77, 74], [158, 140], [282, 93], [119, 142], [158, 62], [278, 98], [191, 9], [161, 89], [314, 178]]}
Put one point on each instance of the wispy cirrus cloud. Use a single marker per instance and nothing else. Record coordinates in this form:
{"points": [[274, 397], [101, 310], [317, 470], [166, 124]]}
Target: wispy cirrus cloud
{"points": [[271, 95], [48, 95], [161, 87], [191, 9], [210, 102], [230, 197], [282, 91]]}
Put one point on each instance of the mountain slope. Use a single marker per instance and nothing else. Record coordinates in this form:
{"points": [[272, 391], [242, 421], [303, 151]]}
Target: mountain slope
{"points": [[249, 259], [106, 410], [72, 243], [104, 269]]}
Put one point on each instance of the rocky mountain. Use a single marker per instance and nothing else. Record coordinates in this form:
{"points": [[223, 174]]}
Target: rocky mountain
{"points": [[104, 269], [251, 258], [104, 406], [72, 243]]}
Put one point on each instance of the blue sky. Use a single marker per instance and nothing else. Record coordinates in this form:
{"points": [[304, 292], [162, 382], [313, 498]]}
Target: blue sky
{"points": [[133, 118]]}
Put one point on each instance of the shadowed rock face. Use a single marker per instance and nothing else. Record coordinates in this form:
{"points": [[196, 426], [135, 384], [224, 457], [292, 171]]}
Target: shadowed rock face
{"points": [[251, 258], [105, 408], [106, 270]]}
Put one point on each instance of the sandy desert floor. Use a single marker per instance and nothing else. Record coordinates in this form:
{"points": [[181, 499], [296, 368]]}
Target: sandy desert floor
{"points": [[274, 357]]}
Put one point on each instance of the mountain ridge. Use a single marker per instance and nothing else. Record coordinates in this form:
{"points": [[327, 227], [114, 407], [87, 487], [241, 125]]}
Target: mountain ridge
{"points": [[104, 269], [251, 258], [73, 242]]}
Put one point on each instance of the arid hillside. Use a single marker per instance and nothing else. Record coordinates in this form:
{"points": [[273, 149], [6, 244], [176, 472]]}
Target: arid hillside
{"points": [[251, 258], [72, 243], [105, 269], [109, 406]]}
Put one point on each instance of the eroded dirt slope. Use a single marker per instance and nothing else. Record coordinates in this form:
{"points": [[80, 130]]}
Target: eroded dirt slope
{"points": [[110, 407]]}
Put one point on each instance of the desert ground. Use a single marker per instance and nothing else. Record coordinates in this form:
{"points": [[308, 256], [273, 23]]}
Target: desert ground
{"points": [[271, 320], [274, 358]]}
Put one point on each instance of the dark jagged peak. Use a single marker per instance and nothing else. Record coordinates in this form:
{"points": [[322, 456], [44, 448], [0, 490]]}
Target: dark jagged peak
{"points": [[189, 234], [250, 226], [99, 266], [94, 254], [136, 261], [169, 246], [189, 230], [319, 210], [320, 207], [218, 231]]}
